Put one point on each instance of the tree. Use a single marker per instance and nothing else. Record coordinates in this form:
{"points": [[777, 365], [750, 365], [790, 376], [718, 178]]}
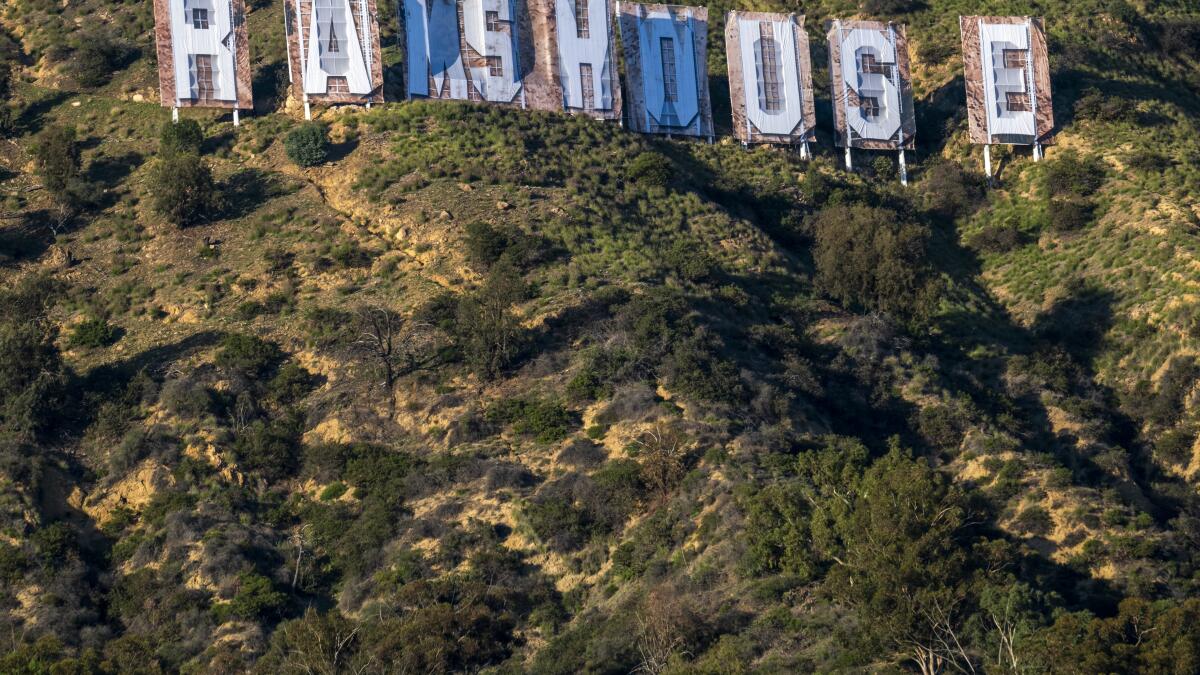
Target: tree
{"points": [[8, 116], [307, 144], [949, 191], [662, 452], [256, 597], [58, 161], [872, 258], [97, 58], [318, 643], [184, 190], [392, 344], [488, 331], [902, 564], [33, 378]]}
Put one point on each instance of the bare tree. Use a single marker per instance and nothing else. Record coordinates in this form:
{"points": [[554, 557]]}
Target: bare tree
{"points": [[663, 625], [940, 648], [321, 644], [298, 540], [663, 449], [394, 344]]}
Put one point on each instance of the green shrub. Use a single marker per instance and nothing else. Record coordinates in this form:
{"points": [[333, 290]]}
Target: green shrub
{"points": [[485, 328], [891, 7], [270, 449], [8, 120], [996, 239], [184, 191], [93, 333], [1095, 106], [333, 491], [290, 384], [256, 598], [689, 260], [1034, 520], [485, 244], [649, 168], [33, 377], [186, 399], [1075, 175], [546, 420], [184, 136], [556, 521], [1070, 214], [1175, 446], [57, 155], [883, 167], [248, 354], [950, 191], [97, 58], [696, 369], [307, 144]]}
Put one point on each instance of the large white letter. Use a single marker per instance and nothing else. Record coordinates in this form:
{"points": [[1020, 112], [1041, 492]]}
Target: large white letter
{"points": [[431, 27], [334, 49], [1006, 58], [490, 29], [669, 68], [869, 70], [770, 75], [583, 53], [202, 42]]}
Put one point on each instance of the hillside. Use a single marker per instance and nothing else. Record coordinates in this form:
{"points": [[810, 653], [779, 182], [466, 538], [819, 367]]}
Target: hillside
{"points": [[488, 390]]}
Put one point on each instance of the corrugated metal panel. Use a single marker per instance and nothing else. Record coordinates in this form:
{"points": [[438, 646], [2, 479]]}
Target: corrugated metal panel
{"points": [[988, 80], [873, 106], [460, 60], [667, 68], [594, 50], [210, 34], [334, 49], [790, 117], [502, 84], [999, 81]]}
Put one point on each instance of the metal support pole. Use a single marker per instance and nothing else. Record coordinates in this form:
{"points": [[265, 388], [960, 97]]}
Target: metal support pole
{"points": [[307, 108], [236, 122], [987, 162], [804, 154], [1037, 152], [175, 114], [903, 169], [849, 164]]}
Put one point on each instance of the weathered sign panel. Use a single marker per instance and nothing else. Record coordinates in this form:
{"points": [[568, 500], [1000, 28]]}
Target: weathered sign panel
{"points": [[579, 40], [465, 50], [872, 85], [666, 68], [203, 54], [1007, 79], [770, 78], [333, 51]]}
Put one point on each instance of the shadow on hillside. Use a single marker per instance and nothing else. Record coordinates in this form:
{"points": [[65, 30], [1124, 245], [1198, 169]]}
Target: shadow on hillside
{"points": [[1077, 323], [270, 87], [339, 151], [110, 171], [25, 237], [33, 117], [218, 142], [1070, 85], [109, 377], [939, 115], [247, 190]]}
